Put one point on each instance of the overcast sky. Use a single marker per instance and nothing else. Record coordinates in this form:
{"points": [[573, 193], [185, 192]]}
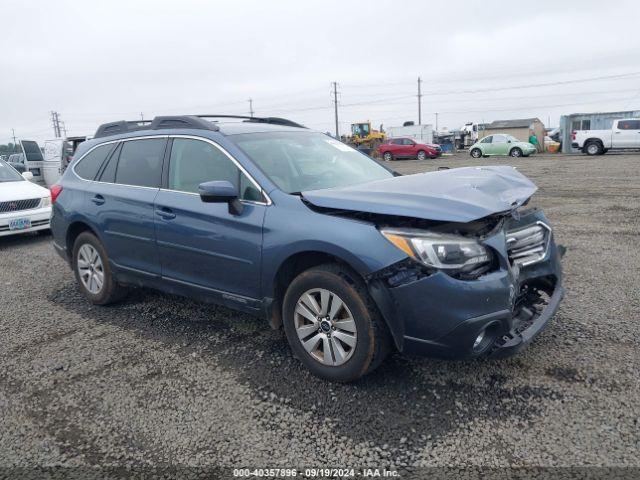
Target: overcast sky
{"points": [[96, 61]]}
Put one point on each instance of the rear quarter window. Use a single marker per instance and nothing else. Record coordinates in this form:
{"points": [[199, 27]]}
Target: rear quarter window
{"points": [[89, 165]]}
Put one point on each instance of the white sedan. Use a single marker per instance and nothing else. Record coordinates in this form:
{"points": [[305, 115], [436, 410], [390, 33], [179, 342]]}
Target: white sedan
{"points": [[24, 206]]}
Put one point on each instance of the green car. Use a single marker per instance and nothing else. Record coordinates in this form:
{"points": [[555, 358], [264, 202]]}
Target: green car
{"points": [[501, 144]]}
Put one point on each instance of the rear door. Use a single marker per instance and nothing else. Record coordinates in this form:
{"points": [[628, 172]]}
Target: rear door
{"points": [[34, 160], [121, 203], [626, 134], [203, 245]]}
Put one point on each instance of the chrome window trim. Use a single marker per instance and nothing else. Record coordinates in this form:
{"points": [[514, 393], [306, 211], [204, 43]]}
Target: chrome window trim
{"points": [[192, 137], [146, 137]]}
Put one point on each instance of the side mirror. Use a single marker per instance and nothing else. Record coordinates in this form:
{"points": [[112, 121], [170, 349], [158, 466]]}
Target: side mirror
{"points": [[221, 192], [27, 176], [508, 141]]}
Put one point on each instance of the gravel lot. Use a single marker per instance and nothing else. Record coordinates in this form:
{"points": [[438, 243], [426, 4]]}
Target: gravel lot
{"points": [[161, 380]]}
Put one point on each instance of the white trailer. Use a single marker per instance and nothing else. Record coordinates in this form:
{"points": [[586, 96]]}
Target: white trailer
{"points": [[424, 133]]}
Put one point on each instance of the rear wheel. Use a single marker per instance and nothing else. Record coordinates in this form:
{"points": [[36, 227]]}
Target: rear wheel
{"points": [[515, 152], [593, 148], [93, 272], [422, 155], [476, 153], [388, 156], [332, 325]]}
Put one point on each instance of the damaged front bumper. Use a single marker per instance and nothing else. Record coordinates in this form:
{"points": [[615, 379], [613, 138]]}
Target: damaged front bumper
{"points": [[494, 315]]}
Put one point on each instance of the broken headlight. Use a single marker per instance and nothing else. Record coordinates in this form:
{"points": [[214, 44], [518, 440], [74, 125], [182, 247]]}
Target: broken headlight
{"points": [[451, 253]]}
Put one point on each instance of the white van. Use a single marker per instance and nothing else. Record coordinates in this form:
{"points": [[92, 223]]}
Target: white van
{"points": [[57, 155], [33, 160]]}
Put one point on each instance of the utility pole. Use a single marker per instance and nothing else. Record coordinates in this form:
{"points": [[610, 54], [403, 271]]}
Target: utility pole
{"points": [[251, 107], [419, 102], [335, 107], [13, 134], [56, 124], [64, 129], [436, 122], [141, 117]]}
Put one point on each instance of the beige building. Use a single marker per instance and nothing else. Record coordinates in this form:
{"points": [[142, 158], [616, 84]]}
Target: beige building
{"points": [[519, 128]]}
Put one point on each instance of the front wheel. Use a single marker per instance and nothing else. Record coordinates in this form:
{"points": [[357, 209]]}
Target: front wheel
{"points": [[387, 156], [93, 272], [332, 325], [515, 152], [422, 155], [476, 153]]}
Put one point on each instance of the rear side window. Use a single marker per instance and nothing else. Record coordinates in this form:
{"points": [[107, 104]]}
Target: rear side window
{"points": [[140, 163], [89, 165]]}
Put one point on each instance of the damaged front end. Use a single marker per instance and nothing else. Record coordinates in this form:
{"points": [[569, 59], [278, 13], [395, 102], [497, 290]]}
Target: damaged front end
{"points": [[494, 309]]}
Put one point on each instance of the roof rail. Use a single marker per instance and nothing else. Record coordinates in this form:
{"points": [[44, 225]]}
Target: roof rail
{"points": [[158, 123], [182, 121], [272, 120]]}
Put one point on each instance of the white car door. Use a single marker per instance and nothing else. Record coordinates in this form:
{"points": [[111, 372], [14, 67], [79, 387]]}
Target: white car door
{"points": [[626, 134]]}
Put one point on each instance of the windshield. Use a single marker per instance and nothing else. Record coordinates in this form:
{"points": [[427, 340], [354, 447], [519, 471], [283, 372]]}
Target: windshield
{"points": [[8, 174], [302, 161]]}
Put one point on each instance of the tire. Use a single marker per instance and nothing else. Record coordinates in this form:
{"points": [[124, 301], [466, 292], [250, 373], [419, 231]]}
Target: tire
{"points": [[387, 156], [476, 153], [371, 340], [593, 148], [515, 152], [88, 248], [422, 155]]}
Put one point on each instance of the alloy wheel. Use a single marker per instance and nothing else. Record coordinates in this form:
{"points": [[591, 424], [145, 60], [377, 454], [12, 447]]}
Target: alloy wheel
{"points": [[387, 156], [325, 326], [593, 148], [422, 155], [90, 268]]}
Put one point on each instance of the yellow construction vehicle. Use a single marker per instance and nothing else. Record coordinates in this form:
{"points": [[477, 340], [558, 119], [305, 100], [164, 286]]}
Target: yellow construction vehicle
{"points": [[362, 135]]}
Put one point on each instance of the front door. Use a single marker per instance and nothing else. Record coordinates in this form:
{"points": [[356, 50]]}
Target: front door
{"points": [[499, 145], [203, 245]]}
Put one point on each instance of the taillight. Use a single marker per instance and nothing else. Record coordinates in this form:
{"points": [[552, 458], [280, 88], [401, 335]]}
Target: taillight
{"points": [[55, 190], [573, 135]]}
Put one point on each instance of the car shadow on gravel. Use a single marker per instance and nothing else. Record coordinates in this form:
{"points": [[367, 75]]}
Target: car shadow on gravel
{"points": [[407, 401]]}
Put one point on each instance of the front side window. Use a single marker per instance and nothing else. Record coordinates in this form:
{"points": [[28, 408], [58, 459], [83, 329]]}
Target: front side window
{"points": [[629, 125], [193, 162], [486, 139], [89, 165], [303, 161], [140, 162]]}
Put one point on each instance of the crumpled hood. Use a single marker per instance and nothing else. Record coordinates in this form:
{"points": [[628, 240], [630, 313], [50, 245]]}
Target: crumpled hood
{"points": [[455, 195]]}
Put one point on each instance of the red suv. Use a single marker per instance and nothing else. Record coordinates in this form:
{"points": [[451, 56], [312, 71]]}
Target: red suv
{"points": [[408, 148]]}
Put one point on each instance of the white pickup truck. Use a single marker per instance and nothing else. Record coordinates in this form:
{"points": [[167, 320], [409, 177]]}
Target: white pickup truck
{"points": [[624, 134]]}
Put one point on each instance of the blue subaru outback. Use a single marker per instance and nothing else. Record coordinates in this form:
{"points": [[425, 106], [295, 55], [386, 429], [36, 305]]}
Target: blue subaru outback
{"points": [[351, 259]]}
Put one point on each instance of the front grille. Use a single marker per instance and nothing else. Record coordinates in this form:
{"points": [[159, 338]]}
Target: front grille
{"points": [[17, 205], [528, 245]]}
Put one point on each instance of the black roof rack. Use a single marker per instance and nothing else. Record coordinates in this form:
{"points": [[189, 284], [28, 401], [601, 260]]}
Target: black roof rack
{"points": [[272, 120], [182, 121]]}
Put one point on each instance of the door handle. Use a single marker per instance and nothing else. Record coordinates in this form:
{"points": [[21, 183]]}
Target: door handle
{"points": [[166, 213], [98, 199]]}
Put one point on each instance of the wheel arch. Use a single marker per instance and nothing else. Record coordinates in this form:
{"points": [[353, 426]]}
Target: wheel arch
{"points": [[73, 231], [295, 264]]}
